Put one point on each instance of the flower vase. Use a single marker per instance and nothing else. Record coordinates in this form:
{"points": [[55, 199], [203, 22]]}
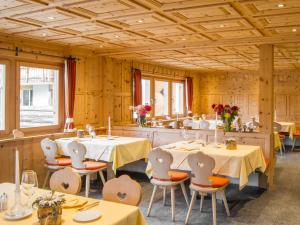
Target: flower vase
{"points": [[227, 125], [49, 215]]}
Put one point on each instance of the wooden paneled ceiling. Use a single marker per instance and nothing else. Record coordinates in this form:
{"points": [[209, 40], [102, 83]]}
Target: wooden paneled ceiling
{"points": [[193, 34]]}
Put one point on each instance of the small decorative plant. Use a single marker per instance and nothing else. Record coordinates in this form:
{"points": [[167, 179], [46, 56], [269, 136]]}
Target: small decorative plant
{"points": [[227, 113], [231, 144], [49, 208], [141, 111]]}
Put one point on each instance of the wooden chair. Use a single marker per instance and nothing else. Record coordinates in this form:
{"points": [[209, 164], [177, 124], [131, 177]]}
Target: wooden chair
{"points": [[66, 181], [277, 127], [296, 135], [164, 177], [123, 190], [53, 162], [205, 183], [77, 152]]}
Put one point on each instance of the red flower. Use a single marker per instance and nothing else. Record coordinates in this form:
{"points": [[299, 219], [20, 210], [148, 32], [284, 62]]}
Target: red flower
{"points": [[235, 108], [213, 106], [219, 109], [142, 112], [148, 108]]}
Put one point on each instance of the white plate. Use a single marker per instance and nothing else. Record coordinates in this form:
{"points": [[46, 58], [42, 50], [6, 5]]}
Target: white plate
{"points": [[87, 215], [27, 212]]}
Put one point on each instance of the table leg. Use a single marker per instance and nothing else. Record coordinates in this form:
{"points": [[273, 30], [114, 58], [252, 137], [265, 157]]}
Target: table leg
{"points": [[110, 172]]}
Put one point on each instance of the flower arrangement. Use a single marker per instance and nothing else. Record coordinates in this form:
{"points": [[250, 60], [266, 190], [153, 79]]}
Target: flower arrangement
{"points": [[49, 208], [141, 112], [227, 113]]}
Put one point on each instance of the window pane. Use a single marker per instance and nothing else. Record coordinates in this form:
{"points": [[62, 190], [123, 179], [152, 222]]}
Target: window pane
{"points": [[161, 98], [2, 97], [177, 98], [146, 92], [38, 97]]}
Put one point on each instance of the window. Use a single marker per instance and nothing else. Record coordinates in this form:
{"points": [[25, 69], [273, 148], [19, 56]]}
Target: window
{"points": [[146, 92], [177, 98], [39, 96], [2, 96], [161, 98], [166, 96]]}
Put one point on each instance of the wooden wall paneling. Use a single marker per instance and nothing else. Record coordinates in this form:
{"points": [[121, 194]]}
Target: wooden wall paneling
{"points": [[281, 107]]}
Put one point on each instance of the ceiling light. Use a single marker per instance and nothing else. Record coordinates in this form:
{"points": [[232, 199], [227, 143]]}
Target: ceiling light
{"points": [[101, 46], [222, 25], [44, 34], [280, 5], [117, 36], [50, 17], [294, 30], [183, 39], [140, 21]]}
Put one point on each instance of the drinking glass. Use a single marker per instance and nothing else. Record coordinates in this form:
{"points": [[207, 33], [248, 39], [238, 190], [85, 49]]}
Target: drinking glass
{"points": [[29, 185]]}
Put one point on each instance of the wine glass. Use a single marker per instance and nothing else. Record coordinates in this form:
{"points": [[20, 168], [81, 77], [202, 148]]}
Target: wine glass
{"points": [[29, 185]]}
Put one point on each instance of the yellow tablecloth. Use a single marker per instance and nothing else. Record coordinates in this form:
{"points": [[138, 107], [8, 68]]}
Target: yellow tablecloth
{"points": [[277, 142], [238, 163], [112, 213], [118, 150], [288, 127]]}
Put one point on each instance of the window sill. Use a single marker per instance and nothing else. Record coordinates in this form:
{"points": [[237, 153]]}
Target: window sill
{"points": [[34, 135]]}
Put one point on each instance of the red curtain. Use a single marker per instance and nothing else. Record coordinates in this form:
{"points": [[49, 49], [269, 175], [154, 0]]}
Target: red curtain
{"points": [[189, 93], [137, 87], [70, 84]]}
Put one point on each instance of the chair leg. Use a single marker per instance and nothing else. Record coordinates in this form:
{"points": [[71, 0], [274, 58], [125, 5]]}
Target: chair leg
{"points": [[294, 142], [164, 195], [151, 200], [214, 208], [283, 146], [190, 207], [46, 178], [281, 149], [201, 202], [225, 202], [173, 202], [87, 185], [102, 177], [184, 193]]}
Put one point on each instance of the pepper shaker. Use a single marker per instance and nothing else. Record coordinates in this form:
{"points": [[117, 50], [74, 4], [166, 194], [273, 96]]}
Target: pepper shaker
{"points": [[3, 202]]}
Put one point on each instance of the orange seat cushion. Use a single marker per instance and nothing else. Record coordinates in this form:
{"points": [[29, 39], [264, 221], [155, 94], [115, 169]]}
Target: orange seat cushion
{"points": [[92, 165], [217, 182], [178, 176], [297, 133], [61, 162], [174, 176]]}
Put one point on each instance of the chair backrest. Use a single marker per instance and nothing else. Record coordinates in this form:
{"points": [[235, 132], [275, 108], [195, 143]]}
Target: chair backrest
{"points": [[161, 162], [277, 126], [202, 166], [123, 190], [66, 181], [49, 148], [17, 133], [77, 153]]}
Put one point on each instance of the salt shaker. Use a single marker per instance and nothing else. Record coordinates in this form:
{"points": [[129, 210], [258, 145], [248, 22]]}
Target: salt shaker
{"points": [[3, 202]]}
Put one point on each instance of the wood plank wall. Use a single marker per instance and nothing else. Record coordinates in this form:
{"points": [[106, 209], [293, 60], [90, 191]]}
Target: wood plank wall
{"points": [[241, 88]]}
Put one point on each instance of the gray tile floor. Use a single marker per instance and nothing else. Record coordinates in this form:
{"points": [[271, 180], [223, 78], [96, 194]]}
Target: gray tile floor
{"points": [[278, 206]]}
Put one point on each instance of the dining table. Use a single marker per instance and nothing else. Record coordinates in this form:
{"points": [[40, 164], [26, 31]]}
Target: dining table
{"points": [[115, 149], [239, 163], [288, 127], [112, 213]]}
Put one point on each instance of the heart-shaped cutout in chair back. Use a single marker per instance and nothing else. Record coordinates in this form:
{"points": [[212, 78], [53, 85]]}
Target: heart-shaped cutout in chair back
{"points": [[65, 185], [121, 195]]}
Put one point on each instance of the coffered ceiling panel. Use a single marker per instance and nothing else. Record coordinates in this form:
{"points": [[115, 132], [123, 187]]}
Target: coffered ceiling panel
{"points": [[204, 35]]}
